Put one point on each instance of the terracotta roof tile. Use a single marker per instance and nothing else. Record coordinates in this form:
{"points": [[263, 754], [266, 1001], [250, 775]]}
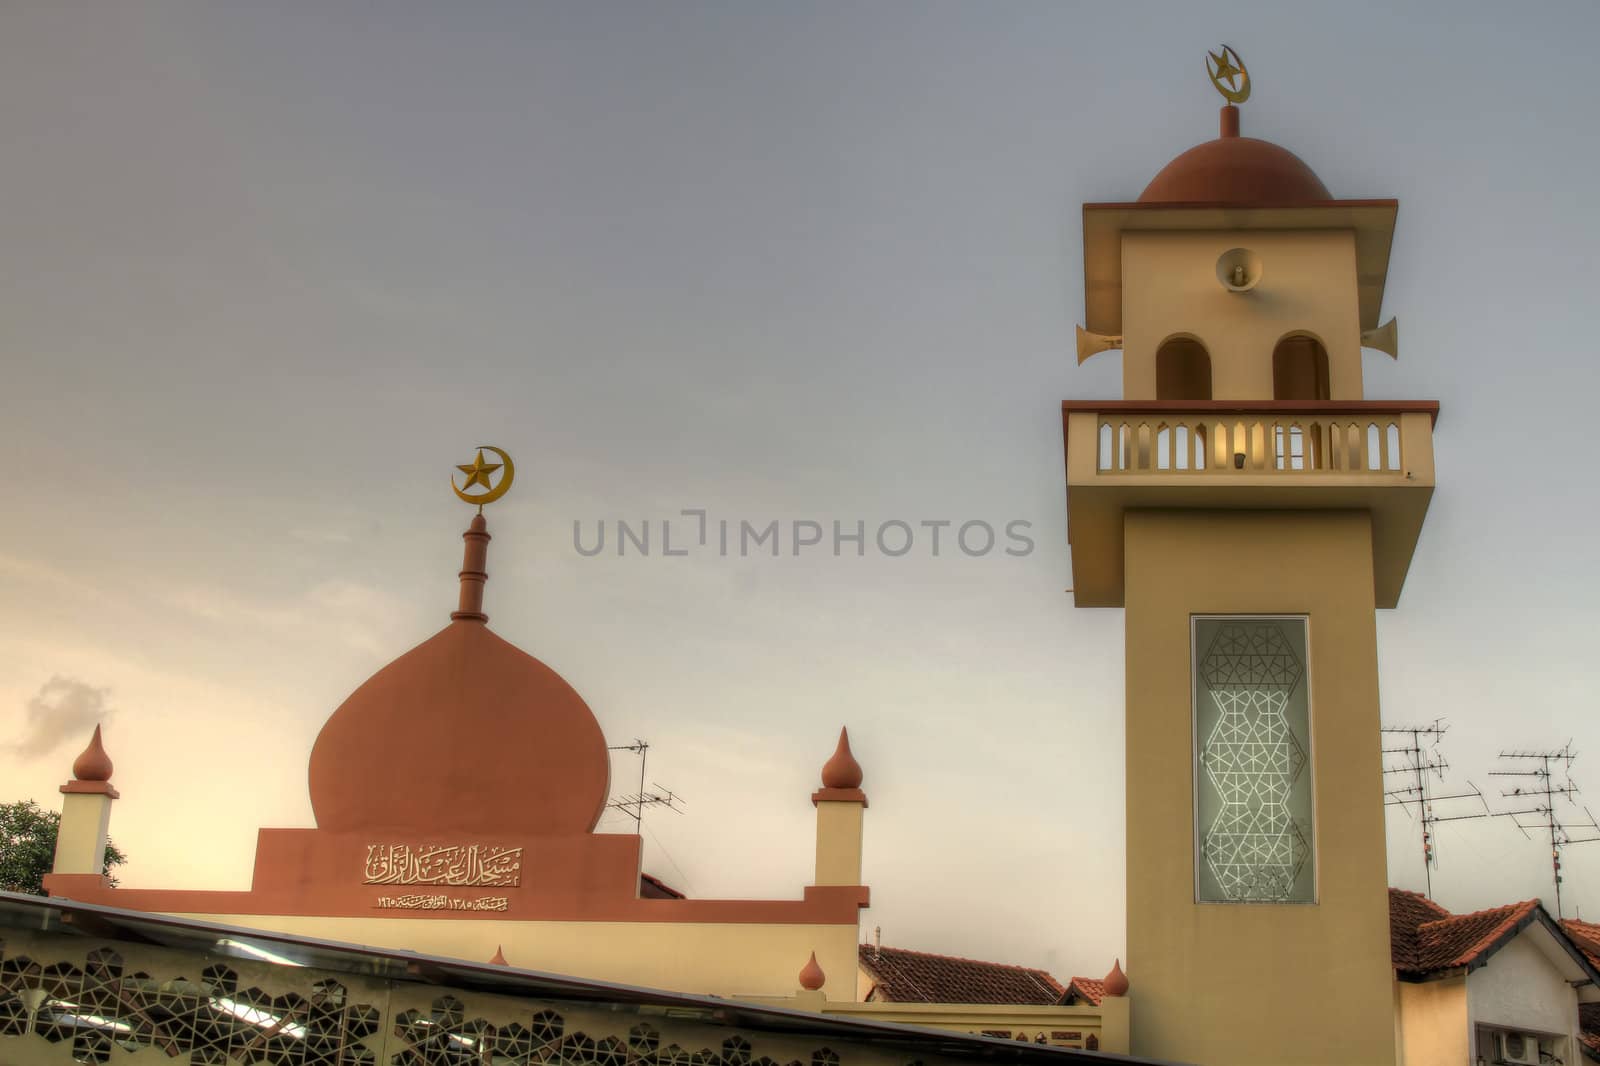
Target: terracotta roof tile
{"points": [[1407, 911], [1425, 938], [1089, 989], [1464, 939], [903, 976], [1586, 935]]}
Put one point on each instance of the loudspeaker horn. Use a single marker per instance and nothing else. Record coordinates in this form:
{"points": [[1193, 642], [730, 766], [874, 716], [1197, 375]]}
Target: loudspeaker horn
{"points": [[1094, 343], [1238, 269], [1386, 339]]}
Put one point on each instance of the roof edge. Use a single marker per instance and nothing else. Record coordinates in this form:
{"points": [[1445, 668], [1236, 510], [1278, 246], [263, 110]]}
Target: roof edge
{"points": [[1231, 205], [1536, 914], [509, 980]]}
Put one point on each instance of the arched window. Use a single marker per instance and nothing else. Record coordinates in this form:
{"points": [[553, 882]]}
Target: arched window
{"points": [[1300, 369], [1183, 370]]}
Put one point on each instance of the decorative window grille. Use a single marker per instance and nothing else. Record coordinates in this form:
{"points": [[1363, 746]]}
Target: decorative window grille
{"points": [[64, 1000], [1252, 730]]}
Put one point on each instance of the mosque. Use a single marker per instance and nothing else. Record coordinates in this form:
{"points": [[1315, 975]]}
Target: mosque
{"points": [[486, 850], [488, 844], [1246, 506]]}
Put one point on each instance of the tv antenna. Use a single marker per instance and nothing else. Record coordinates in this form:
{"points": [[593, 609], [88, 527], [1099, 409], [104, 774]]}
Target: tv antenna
{"points": [[657, 795], [1419, 760], [1551, 778]]}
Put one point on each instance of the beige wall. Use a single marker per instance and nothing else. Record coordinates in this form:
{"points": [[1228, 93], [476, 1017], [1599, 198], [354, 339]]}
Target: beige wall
{"points": [[839, 842], [1275, 984], [1434, 1030], [1059, 1026], [705, 959], [1308, 284], [81, 840]]}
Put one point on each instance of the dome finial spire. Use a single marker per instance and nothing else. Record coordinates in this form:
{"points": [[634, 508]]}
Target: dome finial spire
{"points": [[93, 764], [1116, 982], [474, 561], [842, 770], [476, 555], [1230, 78], [1228, 75], [811, 976], [478, 473]]}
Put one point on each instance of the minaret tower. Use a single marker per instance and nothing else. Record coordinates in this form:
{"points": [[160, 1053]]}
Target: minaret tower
{"points": [[1250, 510]]}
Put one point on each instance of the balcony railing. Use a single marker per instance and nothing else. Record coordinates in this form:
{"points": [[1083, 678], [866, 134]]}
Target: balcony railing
{"points": [[1255, 444], [1254, 438], [1362, 455]]}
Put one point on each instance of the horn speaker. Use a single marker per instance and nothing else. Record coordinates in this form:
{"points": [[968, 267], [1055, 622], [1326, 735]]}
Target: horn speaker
{"points": [[1093, 343], [1386, 339], [1238, 270]]}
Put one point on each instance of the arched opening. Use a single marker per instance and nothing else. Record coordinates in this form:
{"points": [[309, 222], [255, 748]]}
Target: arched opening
{"points": [[1300, 369], [1183, 370]]}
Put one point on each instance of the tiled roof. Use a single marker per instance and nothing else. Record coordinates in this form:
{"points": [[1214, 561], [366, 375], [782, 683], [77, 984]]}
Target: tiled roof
{"points": [[1465, 939], [1089, 989], [903, 976], [1425, 938], [1407, 911], [1586, 935]]}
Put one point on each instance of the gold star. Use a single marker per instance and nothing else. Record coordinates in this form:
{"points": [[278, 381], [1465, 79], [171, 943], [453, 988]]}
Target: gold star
{"points": [[478, 471], [1225, 69]]}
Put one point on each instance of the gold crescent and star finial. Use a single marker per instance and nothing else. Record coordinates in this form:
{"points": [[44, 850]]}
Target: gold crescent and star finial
{"points": [[478, 473], [1228, 75]]}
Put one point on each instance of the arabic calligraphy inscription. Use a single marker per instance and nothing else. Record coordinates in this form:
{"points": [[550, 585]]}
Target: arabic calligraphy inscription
{"points": [[459, 865]]}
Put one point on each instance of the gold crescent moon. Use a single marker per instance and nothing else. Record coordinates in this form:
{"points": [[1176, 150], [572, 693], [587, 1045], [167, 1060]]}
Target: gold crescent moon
{"points": [[509, 472], [1228, 58]]}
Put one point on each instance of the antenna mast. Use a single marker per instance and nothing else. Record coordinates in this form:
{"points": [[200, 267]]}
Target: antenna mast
{"points": [[656, 796], [1418, 760], [1542, 792]]}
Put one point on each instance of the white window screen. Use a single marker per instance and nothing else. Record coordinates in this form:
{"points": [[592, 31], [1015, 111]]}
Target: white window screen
{"points": [[1253, 797]]}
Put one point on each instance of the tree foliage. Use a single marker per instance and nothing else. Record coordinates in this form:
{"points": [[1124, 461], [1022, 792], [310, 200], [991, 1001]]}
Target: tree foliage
{"points": [[28, 847]]}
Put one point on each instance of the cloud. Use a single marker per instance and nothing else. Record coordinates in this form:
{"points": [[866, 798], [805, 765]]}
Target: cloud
{"points": [[64, 709]]}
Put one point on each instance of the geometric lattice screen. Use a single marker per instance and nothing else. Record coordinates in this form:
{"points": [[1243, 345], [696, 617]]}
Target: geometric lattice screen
{"points": [[1253, 779], [99, 1006], [99, 1009]]}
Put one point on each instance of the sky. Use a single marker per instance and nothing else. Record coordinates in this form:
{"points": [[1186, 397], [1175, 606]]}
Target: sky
{"points": [[268, 271]]}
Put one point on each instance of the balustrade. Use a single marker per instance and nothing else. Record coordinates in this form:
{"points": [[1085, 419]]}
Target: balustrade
{"points": [[1337, 455], [1220, 443]]}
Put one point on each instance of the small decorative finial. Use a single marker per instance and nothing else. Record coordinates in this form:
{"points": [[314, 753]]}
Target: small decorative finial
{"points": [[1226, 67], [842, 770], [474, 571], [478, 473], [811, 975], [499, 958], [94, 764], [1116, 982]]}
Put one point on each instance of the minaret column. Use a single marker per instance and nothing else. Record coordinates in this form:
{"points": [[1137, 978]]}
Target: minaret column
{"points": [[86, 813], [841, 807], [474, 572]]}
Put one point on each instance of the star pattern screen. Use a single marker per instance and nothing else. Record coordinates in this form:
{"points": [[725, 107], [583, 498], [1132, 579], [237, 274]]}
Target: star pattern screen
{"points": [[1252, 728]]}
